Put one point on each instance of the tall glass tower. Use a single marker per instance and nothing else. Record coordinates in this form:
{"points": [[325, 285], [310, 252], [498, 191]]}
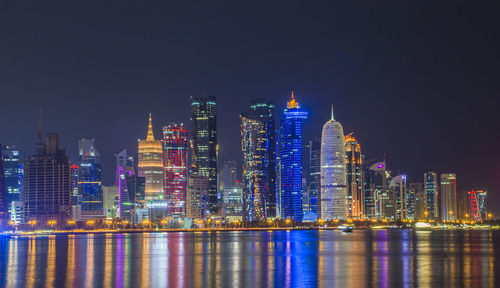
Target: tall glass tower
{"points": [[151, 164], [13, 172], [448, 197], [204, 146], [254, 146], [265, 110], [431, 192], [175, 151], [333, 171], [354, 165], [314, 176], [89, 179], [290, 153]]}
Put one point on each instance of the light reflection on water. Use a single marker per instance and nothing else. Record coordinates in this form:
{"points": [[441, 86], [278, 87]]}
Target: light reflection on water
{"points": [[383, 258]]}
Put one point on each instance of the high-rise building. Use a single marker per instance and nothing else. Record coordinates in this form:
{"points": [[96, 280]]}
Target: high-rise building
{"points": [[150, 164], [462, 204], [290, 154], [76, 199], [47, 183], [265, 110], [431, 192], [127, 200], [314, 183], [13, 172], [254, 145], [448, 197], [481, 196], [398, 197], [377, 200], [417, 188], [354, 166], [175, 165], [333, 171], [90, 179], [474, 212], [204, 146], [111, 201], [229, 174], [198, 186], [4, 204], [233, 203]]}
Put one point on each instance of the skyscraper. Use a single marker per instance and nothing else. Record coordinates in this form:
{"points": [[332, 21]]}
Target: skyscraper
{"points": [[197, 191], [175, 165], [314, 183], [150, 164], [254, 146], [354, 166], [290, 153], [4, 205], [398, 197], [47, 182], [230, 174], [475, 214], [431, 192], [90, 179], [204, 146], [448, 197], [265, 110], [419, 191], [481, 196], [13, 172], [333, 171]]}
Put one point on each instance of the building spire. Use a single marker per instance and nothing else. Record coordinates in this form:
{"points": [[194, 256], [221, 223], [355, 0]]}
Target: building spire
{"points": [[151, 136], [292, 103], [333, 119]]}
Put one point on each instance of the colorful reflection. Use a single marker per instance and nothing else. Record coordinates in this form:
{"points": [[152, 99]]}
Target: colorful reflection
{"points": [[382, 258]]}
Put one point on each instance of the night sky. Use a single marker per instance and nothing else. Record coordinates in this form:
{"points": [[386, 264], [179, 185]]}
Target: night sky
{"points": [[417, 80]]}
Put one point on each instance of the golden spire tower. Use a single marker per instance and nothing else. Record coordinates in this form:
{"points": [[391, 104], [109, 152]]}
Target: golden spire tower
{"points": [[151, 164]]}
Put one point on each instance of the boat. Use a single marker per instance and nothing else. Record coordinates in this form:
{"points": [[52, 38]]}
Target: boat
{"points": [[346, 228]]}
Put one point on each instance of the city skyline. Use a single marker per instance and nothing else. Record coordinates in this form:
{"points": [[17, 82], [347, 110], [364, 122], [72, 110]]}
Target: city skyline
{"points": [[396, 86]]}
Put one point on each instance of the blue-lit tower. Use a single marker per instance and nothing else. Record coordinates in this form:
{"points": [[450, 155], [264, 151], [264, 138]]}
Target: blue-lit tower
{"points": [[13, 172], [290, 152], [89, 179]]}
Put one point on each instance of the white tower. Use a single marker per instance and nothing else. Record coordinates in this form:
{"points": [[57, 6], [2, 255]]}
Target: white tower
{"points": [[333, 172]]}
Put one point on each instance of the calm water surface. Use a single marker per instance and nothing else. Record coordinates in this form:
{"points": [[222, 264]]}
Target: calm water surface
{"points": [[365, 258]]}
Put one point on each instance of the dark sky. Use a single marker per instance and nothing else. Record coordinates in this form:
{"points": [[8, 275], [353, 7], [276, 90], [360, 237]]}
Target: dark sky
{"points": [[418, 80]]}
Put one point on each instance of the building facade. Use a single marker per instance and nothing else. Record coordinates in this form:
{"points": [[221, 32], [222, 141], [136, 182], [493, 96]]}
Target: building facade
{"points": [[431, 183], [198, 186], [150, 164], [254, 147], [13, 172], [47, 183], [90, 180], [448, 197], [175, 168], [290, 155], [4, 204], [204, 146], [314, 183], [266, 110], [333, 171], [354, 170]]}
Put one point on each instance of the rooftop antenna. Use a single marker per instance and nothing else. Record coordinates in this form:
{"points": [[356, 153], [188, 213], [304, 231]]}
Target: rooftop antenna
{"points": [[40, 128], [332, 114]]}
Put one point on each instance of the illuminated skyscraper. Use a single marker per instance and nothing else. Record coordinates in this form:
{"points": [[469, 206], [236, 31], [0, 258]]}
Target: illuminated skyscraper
{"points": [[265, 110], [481, 196], [398, 197], [419, 191], [197, 191], [431, 192], [448, 197], [333, 171], [47, 183], [474, 212], [204, 146], [13, 172], [90, 179], [290, 154], [175, 151], [150, 164], [4, 205], [314, 183], [254, 146], [354, 166]]}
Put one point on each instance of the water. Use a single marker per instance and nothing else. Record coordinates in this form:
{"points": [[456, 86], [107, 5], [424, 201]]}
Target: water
{"points": [[365, 258]]}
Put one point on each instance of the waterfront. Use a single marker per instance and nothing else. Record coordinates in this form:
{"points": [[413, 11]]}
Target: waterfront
{"points": [[308, 258]]}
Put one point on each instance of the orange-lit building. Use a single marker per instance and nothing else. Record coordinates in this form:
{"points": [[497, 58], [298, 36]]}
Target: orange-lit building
{"points": [[354, 168], [151, 164]]}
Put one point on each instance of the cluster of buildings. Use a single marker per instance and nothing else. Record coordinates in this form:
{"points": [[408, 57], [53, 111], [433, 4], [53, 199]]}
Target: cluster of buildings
{"points": [[181, 177]]}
